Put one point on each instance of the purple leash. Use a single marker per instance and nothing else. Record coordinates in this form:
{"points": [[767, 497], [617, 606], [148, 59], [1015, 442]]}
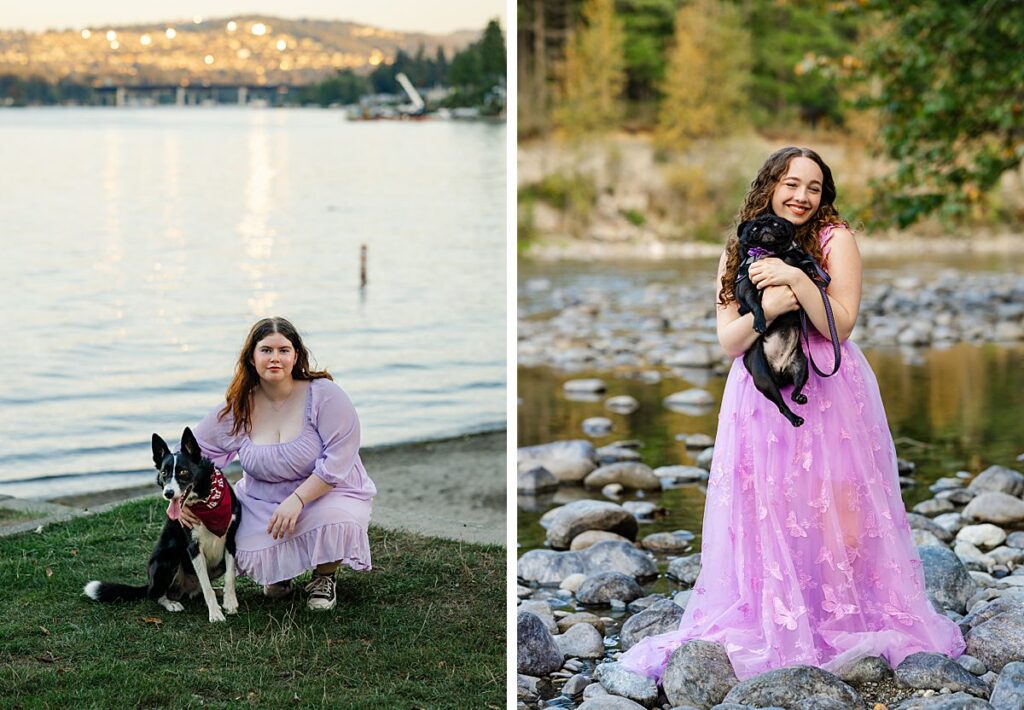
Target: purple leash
{"points": [[831, 331]]}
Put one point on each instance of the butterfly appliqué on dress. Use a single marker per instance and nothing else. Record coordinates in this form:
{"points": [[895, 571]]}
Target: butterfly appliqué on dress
{"points": [[795, 529], [893, 609], [825, 555], [821, 502], [786, 618], [834, 606]]}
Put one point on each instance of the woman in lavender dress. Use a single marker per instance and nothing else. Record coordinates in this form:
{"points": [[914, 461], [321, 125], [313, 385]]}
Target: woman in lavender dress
{"points": [[304, 493], [807, 553]]}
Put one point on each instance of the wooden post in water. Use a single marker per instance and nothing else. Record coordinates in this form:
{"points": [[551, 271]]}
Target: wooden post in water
{"points": [[362, 266]]}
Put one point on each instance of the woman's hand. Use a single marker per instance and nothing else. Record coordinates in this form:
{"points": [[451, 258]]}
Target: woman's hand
{"points": [[188, 519], [773, 272], [777, 300], [282, 522]]}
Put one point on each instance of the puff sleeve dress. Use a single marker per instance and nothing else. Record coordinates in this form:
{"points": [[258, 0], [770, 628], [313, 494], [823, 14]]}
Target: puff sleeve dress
{"points": [[330, 528]]}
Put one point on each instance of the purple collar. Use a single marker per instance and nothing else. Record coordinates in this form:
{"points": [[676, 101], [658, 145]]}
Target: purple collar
{"points": [[758, 253]]}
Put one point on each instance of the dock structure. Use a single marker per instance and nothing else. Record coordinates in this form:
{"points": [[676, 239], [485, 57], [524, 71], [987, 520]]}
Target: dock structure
{"points": [[194, 94]]}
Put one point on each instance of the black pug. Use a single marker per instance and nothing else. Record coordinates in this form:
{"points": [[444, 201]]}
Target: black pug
{"points": [[776, 358]]}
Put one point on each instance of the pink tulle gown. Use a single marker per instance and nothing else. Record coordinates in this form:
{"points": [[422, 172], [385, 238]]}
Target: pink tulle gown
{"points": [[807, 555]]}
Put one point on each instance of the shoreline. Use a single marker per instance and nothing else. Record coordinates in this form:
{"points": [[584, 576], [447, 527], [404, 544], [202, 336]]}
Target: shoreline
{"points": [[460, 491]]}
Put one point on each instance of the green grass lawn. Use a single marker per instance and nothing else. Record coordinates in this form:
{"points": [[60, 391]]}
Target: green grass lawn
{"points": [[424, 629]]}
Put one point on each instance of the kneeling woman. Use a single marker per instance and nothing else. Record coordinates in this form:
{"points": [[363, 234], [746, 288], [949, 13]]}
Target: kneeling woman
{"points": [[305, 495]]}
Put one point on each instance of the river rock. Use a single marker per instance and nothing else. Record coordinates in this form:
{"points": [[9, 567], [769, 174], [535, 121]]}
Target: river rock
{"points": [[786, 687], [613, 491], [537, 653], [920, 522], [548, 567], [584, 386], [999, 479], [685, 569], [569, 461], [642, 509], [660, 617], [705, 457], [954, 701], [668, 543], [1010, 557], [923, 537], [542, 611], [592, 537], [995, 507], [608, 702], [698, 673], [688, 400], [581, 641], [933, 506], [619, 557], [972, 664], [936, 671], [985, 536], [566, 522], [696, 441], [671, 476], [622, 404], [537, 480], [870, 669], [572, 582], [998, 641], [616, 454], [575, 686], [986, 610], [949, 521], [971, 556], [619, 681], [946, 578], [1008, 693], [958, 496], [597, 426], [1016, 539], [601, 588], [580, 617], [630, 474], [692, 356]]}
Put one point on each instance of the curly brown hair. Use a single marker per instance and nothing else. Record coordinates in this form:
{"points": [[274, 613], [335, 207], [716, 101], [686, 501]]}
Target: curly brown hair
{"points": [[239, 394], [759, 201]]}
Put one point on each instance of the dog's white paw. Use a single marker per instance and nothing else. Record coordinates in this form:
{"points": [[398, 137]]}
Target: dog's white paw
{"points": [[216, 615], [170, 605], [231, 607]]}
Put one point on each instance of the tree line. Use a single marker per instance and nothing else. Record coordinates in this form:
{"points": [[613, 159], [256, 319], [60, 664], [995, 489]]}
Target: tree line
{"points": [[943, 81]]}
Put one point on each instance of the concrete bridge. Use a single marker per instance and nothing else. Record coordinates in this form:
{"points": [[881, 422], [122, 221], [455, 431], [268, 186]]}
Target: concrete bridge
{"points": [[194, 94]]}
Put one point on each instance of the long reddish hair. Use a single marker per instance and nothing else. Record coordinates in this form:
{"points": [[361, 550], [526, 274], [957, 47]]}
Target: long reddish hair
{"points": [[239, 394], [759, 201]]}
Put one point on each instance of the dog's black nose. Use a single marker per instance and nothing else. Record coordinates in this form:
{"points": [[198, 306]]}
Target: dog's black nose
{"points": [[168, 493]]}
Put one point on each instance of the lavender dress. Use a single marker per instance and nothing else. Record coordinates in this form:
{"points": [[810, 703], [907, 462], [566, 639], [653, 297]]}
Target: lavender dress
{"points": [[807, 553], [332, 527]]}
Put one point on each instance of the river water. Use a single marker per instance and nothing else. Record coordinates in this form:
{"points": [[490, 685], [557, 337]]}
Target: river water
{"points": [[141, 244]]}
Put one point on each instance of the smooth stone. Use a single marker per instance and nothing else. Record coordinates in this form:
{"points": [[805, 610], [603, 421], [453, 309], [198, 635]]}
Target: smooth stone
{"points": [[704, 458], [566, 522], [659, 618], [569, 461], [870, 669], [637, 476], [692, 356], [945, 484], [537, 653], [613, 491], [597, 426], [596, 690], [985, 610], [985, 535], [1008, 692], [601, 588], [920, 522], [619, 681], [698, 441], [952, 522], [971, 556], [622, 404], [621, 557], [905, 467], [998, 641], [592, 537], [668, 543], [641, 510], [1016, 539], [936, 671], [608, 702], [685, 569], [616, 454], [549, 567], [821, 702], [946, 578], [972, 664], [698, 673], [581, 641], [536, 480], [995, 507], [924, 537], [954, 701], [670, 476], [542, 610], [958, 496], [528, 687], [998, 479], [588, 386], [574, 686], [787, 686], [572, 582], [933, 506], [1009, 557], [580, 617]]}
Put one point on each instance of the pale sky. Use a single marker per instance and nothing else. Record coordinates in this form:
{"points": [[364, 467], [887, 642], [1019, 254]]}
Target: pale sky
{"points": [[438, 17]]}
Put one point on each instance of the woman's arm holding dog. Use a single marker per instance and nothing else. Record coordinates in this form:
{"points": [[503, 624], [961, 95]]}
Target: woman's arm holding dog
{"points": [[735, 332], [844, 290]]}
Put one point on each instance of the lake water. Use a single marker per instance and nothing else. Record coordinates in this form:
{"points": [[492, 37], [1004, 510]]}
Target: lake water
{"points": [[140, 245]]}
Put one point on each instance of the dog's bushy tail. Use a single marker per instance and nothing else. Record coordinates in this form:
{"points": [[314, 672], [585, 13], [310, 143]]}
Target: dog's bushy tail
{"points": [[113, 592]]}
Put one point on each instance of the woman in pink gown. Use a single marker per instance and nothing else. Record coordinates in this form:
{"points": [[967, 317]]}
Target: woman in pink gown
{"points": [[807, 555]]}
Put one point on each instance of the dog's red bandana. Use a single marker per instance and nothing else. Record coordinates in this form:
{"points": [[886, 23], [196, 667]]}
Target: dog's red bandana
{"points": [[215, 511]]}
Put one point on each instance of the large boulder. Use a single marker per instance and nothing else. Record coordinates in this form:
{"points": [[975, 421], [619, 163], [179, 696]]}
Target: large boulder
{"points": [[698, 673], [549, 567], [569, 461], [946, 579], [995, 507], [567, 521], [998, 479], [599, 589], [954, 701], [998, 641], [1008, 692], [581, 641], [537, 653], [936, 671], [619, 681], [659, 618], [619, 557], [629, 474], [786, 687]]}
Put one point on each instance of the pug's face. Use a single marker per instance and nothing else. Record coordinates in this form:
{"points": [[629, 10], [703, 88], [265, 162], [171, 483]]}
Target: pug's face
{"points": [[767, 232]]}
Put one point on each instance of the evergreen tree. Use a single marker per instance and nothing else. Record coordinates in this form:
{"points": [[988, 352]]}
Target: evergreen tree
{"points": [[492, 53], [648, 26], [593, 73], [705, 83]]}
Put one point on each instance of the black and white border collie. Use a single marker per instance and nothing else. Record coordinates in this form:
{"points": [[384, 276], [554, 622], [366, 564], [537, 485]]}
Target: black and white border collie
{"points": [[184, 561]]}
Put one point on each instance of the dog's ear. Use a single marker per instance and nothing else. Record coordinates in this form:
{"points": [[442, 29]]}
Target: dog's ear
{"points": [[160, 450], [190, 446], [742, 226]]}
